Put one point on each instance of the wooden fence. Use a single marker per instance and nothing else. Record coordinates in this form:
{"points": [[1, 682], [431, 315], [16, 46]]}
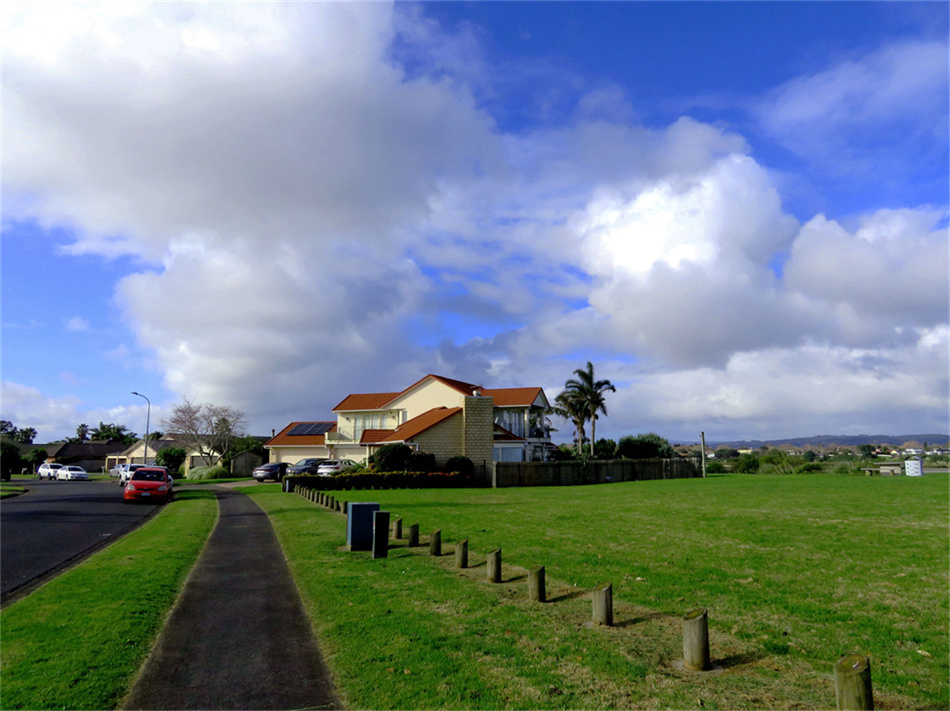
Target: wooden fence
{"points": [[592, 472]]}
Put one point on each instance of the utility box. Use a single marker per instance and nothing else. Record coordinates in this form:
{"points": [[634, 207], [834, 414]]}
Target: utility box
{"points": [[359, 525], [913, 467]]}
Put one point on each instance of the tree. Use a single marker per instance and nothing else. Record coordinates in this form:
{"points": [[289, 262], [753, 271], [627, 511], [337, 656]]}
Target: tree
{"points": [[113, 433], [645, 446], [172, 458], [605, 449], [25, 435], [867, 451], [572, 409], [392, 457], [590, 392], [10, 460], [208, 429], [82, 432], [36, 457]]}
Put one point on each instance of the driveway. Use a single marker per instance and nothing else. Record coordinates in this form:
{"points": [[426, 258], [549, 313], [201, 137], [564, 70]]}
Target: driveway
{"points": [[56, 524]]}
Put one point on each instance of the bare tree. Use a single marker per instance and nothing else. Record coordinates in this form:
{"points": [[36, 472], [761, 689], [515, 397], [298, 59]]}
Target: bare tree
{"points": [[209, 429]]}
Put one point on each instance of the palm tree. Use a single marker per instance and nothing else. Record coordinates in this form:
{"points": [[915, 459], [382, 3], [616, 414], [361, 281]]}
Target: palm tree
{"points": [[572, 409], [589, 392]]}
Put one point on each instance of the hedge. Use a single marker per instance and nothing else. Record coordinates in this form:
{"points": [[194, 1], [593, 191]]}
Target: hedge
{"points": [[383, 480]]}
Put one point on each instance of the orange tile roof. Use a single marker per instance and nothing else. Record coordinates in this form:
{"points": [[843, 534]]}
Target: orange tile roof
{"points": [[282, 439], [364, 401], [374, 436], [512, 397], [503, 435], [411, 428]]}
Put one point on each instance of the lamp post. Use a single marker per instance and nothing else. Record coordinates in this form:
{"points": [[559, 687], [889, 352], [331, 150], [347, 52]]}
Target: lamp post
{"points": [[148, 416]]}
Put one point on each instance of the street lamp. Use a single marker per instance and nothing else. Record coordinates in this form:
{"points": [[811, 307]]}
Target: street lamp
{"points": [[148, 416]]}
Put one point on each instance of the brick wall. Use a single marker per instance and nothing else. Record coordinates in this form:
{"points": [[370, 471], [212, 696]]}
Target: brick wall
{"points": [[444, 440], [478, 414]]}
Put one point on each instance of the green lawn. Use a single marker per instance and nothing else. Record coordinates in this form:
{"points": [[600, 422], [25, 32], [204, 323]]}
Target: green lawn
{"points": [[78, 641], [795, 572]]}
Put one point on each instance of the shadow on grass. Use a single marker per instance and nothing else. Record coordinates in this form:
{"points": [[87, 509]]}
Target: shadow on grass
{"points": [[569, 596], [640, 620], [737, 660]]}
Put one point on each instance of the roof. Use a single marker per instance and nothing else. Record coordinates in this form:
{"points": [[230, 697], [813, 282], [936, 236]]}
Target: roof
{"points": [[285, 439], [373, 436], [417, 425], [364, 401], [513, 397], [157, 445], [503, 397], [503, 435]]}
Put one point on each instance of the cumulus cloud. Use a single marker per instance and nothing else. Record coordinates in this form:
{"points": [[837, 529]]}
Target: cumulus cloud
{"points": [[309, 186]]}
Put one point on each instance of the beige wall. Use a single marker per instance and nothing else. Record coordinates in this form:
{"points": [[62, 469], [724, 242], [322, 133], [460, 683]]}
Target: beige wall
{"points": [[292, 455], [444, 440], [426, 396]]}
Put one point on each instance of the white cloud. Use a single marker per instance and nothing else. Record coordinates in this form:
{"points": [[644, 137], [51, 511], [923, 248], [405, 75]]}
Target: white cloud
{"points": [[77, 323]]}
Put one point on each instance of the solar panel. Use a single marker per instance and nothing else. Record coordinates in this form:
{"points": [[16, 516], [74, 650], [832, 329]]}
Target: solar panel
{"points": [[311, 428]]}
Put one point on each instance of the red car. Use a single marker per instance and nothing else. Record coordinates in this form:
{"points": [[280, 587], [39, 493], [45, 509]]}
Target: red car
{"points": [[149, 484]]}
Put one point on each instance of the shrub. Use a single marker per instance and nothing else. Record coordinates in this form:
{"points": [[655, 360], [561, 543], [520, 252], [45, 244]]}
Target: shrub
{"points": [[421, 462], [747, 464], [172, 458], [605, 449], [462, 465], [205, 473], [644, 446], [392, 458], [715, 467]]}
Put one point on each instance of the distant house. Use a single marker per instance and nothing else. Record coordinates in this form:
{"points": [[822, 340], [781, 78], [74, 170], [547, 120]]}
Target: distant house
{"points": [[91, 456], [439, 415], [136, 453]]}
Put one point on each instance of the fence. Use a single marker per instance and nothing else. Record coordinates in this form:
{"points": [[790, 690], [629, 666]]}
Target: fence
{"points": [[592, 472]]}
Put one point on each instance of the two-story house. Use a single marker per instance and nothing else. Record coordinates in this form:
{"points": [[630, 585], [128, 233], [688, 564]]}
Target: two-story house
{"points": [[439, 415]]}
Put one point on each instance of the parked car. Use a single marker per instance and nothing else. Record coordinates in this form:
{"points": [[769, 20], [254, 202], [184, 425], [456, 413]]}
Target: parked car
{"points": [[334, 466], [48, 470], [305, 466], [71, 473], [273, 470], [149, 484], [126, 471]]}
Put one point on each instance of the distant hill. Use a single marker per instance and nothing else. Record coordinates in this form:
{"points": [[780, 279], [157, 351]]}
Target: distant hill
{"points": [[837, 441]]}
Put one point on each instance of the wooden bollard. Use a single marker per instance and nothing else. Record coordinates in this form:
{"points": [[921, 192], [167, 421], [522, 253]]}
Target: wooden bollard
{"points": [[345, 507], [604, 604], [397, 529], [435, 543], [320, 496], [339, 507], [696, 640], [461, 554], [414, 535], [494, 566], [536, 591], [853, 683], [331, 502]]}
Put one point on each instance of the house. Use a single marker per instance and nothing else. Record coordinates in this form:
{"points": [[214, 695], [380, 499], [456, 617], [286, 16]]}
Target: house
{"points": [[439, 415], [91, 456], [136, 453]]}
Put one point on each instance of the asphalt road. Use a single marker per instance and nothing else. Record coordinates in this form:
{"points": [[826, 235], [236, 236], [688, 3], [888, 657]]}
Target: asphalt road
{"points": [[56, 524]]}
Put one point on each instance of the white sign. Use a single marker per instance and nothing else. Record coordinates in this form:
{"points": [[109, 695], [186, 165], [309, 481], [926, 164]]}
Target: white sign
{"points": [[912, 467]]}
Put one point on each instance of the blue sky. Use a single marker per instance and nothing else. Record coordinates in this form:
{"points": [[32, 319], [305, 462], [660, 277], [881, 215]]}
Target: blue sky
{"points": [[737, 211]]}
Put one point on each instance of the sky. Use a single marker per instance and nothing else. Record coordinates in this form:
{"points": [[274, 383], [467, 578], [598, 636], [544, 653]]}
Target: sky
{"points": [[738, 212]]}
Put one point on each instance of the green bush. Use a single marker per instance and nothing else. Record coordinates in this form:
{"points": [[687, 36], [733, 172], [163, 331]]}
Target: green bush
{"points": [[383, 480], [171, 458], [205, 473], [392, 458], [462, 465], [644, 446], [715, 468], [421, 462], [747, 464]]}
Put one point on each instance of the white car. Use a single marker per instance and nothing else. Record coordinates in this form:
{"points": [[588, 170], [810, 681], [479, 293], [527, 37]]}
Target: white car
{"points": [[334, 466], [48, 470], [72, 473], [127, 470]]}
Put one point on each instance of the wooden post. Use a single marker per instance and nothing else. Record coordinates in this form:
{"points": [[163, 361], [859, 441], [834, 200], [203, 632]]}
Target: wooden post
{"points": [[346, 505], [853, 683], [380, 534], [494, 566], [696, 640], [320, 497], [435, 543], [397, 529], [339, 507], [604, 604], [536, 585], [461, 554], [702, 437], [414, 535]]}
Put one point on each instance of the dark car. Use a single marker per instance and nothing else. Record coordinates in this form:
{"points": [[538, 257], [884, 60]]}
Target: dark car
{"points": [[306, 466], [274, 471]]}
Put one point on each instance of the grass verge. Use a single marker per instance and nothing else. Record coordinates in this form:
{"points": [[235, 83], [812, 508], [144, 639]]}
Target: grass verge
{"points": [[795, 571], [78, 641]]}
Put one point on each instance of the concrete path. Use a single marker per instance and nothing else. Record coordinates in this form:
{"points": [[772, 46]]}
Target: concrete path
{"points": [[238, 637]]}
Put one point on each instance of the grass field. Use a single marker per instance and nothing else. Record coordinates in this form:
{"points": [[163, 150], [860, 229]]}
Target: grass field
{"points": [[78, 641], [795, 572]]}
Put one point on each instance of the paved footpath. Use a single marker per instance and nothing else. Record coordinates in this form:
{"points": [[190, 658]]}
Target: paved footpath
{"points": [[238, 637]]}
